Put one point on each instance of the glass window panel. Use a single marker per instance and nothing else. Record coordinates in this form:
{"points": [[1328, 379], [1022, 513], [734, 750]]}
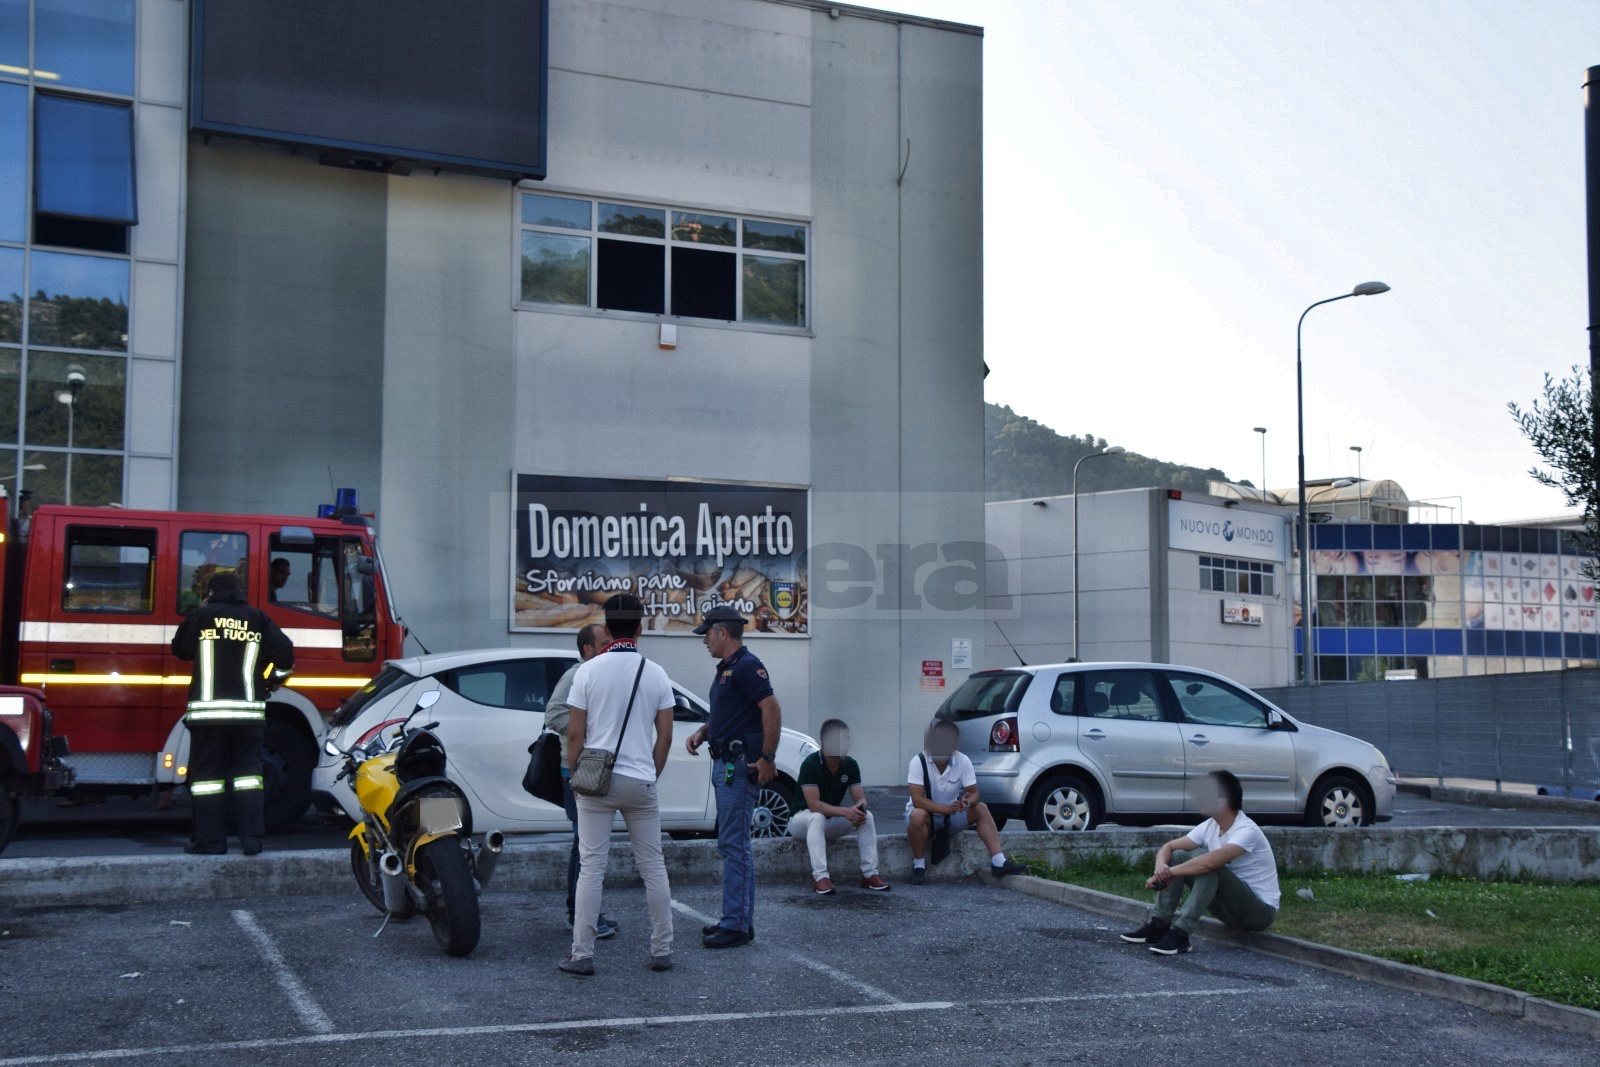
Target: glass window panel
{"points": [[204, 554], [632, 277], [85, 44], [91, 419], [701, 229], [539, 210], [110, 570], [10, 393], [775, 290], [703, 284], [1208, 703], [775, 236], [79, 302], [555, 269], [83, 159], [95, 481], [634, 221], [13, 38], [11, 295], [304, 577], [13, 158]]}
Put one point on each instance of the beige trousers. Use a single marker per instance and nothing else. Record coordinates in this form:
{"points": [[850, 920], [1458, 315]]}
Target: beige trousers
{"points": [[636, 799]]}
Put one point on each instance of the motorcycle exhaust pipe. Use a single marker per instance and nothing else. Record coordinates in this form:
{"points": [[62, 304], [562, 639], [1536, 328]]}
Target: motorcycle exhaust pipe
{"points": [[487, 856], [393, 876]]}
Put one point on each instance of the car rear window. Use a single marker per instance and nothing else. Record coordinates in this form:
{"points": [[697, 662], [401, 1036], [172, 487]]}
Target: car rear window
{"points": [[387, 681], [982, 695]]}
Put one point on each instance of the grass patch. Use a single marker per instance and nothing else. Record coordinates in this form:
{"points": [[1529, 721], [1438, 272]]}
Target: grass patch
{"points": [[1538, 937]]}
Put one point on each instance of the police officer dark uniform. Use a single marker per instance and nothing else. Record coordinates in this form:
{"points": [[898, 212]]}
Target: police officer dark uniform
{"points": [[743, 733], [239, 655]]}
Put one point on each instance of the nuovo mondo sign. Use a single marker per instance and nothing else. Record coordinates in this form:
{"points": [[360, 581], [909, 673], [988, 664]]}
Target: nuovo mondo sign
{"points": [[1233, 532]]}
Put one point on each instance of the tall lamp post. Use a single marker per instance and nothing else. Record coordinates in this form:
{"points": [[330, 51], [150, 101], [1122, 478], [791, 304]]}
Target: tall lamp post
{"points": [[1361, 487], [1307, 672], [1109, 450], [69, 397], [1262, 430]]}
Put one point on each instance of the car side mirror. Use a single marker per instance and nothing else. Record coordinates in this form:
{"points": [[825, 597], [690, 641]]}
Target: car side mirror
{"points": [[366, 566], [1276, 721]]}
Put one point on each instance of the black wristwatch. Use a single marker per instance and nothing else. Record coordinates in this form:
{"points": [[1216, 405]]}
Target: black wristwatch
{"points": [[770, 757]]}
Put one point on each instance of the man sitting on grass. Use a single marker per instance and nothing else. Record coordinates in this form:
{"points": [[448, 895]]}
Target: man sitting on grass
{"points": [[1227, 866]]}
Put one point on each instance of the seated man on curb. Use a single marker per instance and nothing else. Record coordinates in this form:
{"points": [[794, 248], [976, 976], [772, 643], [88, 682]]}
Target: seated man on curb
{"points": [[826, 779], [1225, 862], [944, 797]]}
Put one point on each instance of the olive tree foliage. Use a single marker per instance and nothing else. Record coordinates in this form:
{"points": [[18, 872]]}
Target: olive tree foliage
{"points": [[1560, 426]]}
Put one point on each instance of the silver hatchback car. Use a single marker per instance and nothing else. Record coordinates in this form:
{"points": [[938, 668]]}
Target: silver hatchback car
{"points": [[1068, 745]]}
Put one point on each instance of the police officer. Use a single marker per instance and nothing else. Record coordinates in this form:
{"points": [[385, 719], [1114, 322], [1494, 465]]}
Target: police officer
{"points": [[743, 734], [239, 656]]}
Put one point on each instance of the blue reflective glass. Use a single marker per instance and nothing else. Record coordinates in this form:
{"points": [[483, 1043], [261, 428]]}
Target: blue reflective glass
{"points": [[78, 301], [13, 158], [1448, 642], [85, 44], [13, 43], [10, 298], [83, 159], [1386, 536]]}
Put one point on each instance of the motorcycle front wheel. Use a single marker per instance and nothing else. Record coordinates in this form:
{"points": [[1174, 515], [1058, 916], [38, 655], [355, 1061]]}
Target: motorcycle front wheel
{"points": [[445, 877]]}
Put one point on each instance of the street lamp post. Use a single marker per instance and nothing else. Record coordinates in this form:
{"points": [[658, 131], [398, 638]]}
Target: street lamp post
{"points": [[1110, 450], [69, 397], [1262, 430], [1361, 487], [1307, 671]]}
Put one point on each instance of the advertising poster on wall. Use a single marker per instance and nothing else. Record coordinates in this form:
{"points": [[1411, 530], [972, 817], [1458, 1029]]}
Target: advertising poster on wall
{"points": [[681, 547]]}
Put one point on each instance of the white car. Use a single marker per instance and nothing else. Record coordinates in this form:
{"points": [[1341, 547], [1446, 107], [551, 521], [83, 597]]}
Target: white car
{"points": [[490, 709]]}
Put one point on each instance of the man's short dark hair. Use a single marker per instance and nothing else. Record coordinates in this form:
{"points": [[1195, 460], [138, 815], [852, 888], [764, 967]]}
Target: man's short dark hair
{"points": [[1229, 788], [733, 629], [944, 724], [624, 616], [833, 724], [589, 636]]}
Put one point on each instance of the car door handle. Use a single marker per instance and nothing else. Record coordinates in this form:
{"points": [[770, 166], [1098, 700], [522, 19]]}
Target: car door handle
{"points": [[1095, 735], [63, 666], [1199, 739]]}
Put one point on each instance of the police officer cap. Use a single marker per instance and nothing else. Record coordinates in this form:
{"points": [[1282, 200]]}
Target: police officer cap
{"points": [[224, 584], [720, 613]]}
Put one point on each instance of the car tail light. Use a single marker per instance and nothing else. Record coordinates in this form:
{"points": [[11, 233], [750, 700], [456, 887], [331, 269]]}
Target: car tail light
{"points": [[376, 730], [1003, 735]]}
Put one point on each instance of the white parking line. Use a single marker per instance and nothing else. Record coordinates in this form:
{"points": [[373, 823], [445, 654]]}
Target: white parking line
{"points": [[864, 988], [629, 1022], [311, 1015]]}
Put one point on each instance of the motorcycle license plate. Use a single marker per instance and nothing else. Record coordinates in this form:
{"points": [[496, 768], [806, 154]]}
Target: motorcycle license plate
{"points": [[439, 815]]}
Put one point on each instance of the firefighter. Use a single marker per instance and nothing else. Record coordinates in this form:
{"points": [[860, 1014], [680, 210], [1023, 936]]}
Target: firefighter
{"points": [[239, 656]]}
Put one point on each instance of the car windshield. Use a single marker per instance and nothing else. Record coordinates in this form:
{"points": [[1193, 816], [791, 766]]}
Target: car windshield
{"points": [[388, 680], [984, 694]]}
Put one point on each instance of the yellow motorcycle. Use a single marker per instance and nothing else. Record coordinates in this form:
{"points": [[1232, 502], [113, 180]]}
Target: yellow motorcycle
{"points": [[412, 851]]}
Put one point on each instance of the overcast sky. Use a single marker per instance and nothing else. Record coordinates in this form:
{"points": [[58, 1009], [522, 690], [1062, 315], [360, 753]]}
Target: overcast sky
{"points": [[1168, 185]]}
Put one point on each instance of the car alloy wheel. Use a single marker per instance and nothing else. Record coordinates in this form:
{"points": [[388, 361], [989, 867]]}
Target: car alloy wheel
{"points": [[1067, 810], [771, 815], [1342, 808]]}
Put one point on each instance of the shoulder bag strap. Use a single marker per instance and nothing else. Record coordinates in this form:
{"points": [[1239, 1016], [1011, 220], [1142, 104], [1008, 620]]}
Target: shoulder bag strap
{"points": [[629, 713], [927, 783]]}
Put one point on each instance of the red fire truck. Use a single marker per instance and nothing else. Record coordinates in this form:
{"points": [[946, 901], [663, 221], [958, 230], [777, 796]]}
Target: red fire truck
{"points": [[92, 597]]}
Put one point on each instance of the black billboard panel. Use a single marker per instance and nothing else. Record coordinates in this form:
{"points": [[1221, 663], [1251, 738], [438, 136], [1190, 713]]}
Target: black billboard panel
{"points": [[457, 84]]}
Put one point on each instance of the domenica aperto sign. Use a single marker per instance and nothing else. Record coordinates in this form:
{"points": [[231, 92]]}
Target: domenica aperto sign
{"points": [[681, 547]]}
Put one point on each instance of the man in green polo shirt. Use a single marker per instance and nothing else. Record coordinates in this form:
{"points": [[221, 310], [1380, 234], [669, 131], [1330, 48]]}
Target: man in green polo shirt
{"points": [[835, 804]]}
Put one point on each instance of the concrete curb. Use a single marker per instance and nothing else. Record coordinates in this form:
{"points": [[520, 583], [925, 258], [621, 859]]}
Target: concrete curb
{"points": [[1488, 798], [1475, 994]]}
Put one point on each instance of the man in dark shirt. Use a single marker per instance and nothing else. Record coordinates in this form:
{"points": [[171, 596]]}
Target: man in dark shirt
{"points": [[743, 734], [826, 779]]}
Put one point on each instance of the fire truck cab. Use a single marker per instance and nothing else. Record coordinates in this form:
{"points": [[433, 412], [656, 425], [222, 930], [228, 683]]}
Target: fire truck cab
{"points": [[93, 597]]}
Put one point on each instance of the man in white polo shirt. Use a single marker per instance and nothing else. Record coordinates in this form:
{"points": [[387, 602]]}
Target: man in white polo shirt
{"points": [[944, 799], [1226, 864]]}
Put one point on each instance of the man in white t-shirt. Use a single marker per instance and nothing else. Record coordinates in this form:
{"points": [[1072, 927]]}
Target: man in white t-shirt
{"points": [[944, 799], [1226, 864], [622, 703]]}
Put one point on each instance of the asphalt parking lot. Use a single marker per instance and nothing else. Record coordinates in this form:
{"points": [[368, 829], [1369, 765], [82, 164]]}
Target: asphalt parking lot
{"points": [[123, 826], [961, 973]]}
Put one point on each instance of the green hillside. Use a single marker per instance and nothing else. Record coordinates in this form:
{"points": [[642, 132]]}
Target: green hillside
{"points": [[1026, 458]]}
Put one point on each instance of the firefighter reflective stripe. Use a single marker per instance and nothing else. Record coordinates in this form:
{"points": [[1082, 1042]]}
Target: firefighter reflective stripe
{"points": [[205, 671], [252, 651], [222, 710], [206, 789], [249, 781]]}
